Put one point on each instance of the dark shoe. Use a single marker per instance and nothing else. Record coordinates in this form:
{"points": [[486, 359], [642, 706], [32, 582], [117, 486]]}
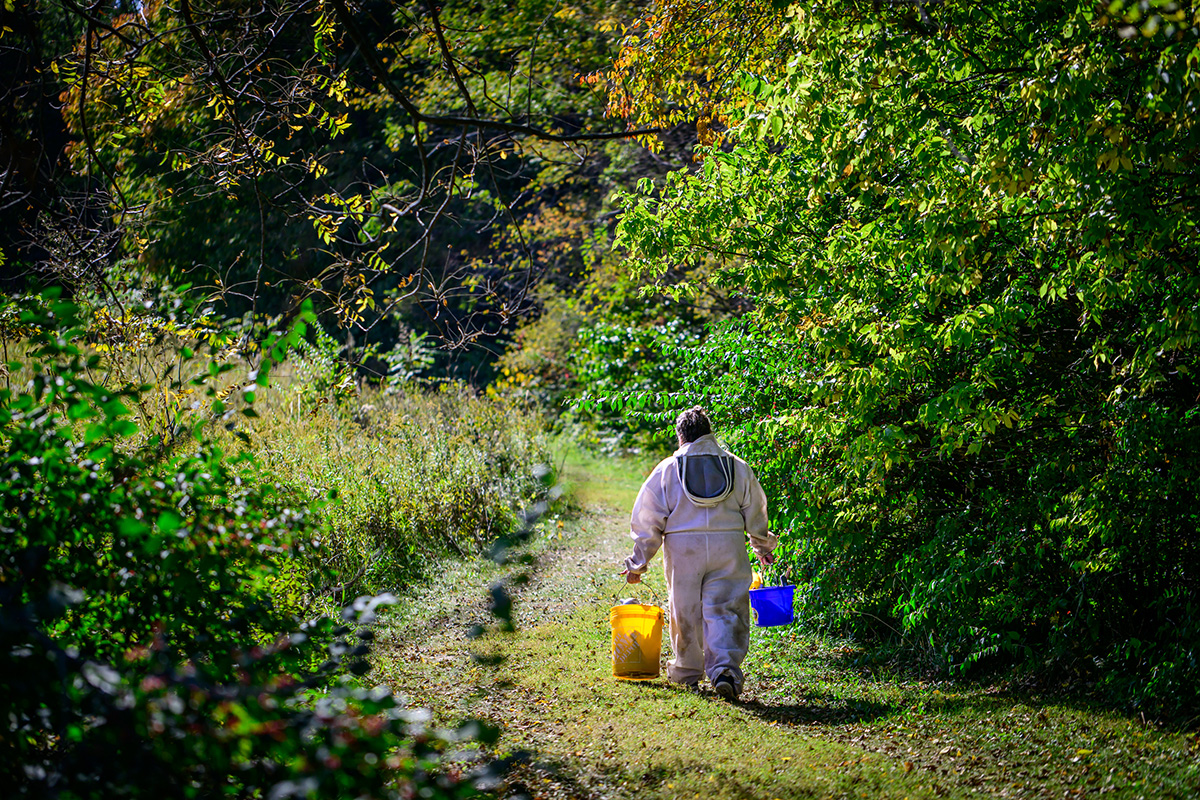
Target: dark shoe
{"points": [[725, 686]]}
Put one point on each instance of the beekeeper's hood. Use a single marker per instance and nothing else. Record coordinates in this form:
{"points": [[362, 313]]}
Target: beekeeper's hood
{"points": [[705, 471]]}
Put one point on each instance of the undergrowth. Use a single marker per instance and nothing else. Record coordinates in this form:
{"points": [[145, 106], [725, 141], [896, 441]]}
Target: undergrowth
{"points": [[145, 647], [405, 474]]}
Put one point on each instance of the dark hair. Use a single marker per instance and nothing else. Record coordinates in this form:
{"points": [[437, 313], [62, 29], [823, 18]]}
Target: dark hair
{"points": [[691, 424]]}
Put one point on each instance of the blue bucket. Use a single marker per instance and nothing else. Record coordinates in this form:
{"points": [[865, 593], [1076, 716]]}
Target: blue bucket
{"points": [[773, 605]]}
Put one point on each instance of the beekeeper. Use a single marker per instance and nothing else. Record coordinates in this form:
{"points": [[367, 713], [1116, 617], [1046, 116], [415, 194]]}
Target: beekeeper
{"points": [[698, 505]]}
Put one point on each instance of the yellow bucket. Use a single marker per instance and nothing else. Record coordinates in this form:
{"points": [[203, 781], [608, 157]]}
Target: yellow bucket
{"points": [[636, 641]]}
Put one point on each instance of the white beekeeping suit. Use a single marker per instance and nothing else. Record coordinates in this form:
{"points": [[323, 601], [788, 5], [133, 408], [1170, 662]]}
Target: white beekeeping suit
{"points": [[697, 505]]}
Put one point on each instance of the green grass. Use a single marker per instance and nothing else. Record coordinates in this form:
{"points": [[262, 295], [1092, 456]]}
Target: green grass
{"points": [[991, 736], [595, 481]]}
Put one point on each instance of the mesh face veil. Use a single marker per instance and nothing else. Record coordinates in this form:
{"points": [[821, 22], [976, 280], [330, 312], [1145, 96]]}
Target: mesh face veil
{"points": [[706, 479]]}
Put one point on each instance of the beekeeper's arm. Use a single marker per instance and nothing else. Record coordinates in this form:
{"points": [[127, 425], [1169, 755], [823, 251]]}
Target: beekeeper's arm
{"points": [[646, 523], [754, 511]]}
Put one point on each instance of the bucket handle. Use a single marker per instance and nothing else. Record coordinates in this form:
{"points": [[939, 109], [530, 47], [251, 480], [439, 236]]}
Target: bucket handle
{"points": [[633, 592], [770, 574]]}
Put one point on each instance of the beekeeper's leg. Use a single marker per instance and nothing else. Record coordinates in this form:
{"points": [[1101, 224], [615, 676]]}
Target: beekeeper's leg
{"points": [[685, 559], [726, 604]]}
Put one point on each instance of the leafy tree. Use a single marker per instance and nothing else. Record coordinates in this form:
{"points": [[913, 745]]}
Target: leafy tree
{"points": [[603, 331], [384, 159], [681, 63], [969, 234]]}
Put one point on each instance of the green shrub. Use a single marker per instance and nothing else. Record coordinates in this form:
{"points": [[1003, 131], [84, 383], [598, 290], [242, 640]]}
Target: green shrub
{"points": [[630, 365], [143, 651]]}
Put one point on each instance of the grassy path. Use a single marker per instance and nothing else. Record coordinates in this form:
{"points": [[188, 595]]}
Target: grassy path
{"points": [[815, 721]]}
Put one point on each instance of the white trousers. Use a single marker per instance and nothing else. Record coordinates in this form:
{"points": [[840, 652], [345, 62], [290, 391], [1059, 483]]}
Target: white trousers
{"points": [[708, 579]]}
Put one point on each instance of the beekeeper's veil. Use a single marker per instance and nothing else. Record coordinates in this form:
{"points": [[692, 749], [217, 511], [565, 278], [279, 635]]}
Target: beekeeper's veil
{"points": [[707, 480]]}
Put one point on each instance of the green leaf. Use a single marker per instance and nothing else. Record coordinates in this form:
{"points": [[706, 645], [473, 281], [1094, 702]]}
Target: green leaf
{"points": [[131, 527], [80, 410], [169, 522], [124, 427]]}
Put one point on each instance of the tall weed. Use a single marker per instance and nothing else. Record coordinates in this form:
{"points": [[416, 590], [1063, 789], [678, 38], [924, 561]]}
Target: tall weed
{"points": [[406, 473]]}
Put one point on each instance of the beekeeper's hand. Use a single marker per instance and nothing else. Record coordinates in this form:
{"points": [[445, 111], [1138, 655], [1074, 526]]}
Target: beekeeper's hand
{"points": [[766, 560], [631, 577]]}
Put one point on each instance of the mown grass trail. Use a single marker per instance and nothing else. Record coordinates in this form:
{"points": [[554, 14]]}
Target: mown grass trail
{"points": [[816, 719]]}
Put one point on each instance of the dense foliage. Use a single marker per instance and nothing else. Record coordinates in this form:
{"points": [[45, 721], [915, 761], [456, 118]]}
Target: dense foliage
{"points": [[147, 644], [969, 232]]}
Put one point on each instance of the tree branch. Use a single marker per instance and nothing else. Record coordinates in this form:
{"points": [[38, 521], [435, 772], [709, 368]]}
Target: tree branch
{"points": [[382, 76]]}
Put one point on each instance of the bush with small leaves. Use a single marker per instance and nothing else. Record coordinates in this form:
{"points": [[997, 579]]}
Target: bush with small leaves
{"points": [[142, 652]]}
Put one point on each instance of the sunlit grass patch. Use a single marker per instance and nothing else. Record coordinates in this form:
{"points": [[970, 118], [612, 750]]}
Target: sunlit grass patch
{"points": [[654, 739], [987, 736], [405, 476], [594, 479]]}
